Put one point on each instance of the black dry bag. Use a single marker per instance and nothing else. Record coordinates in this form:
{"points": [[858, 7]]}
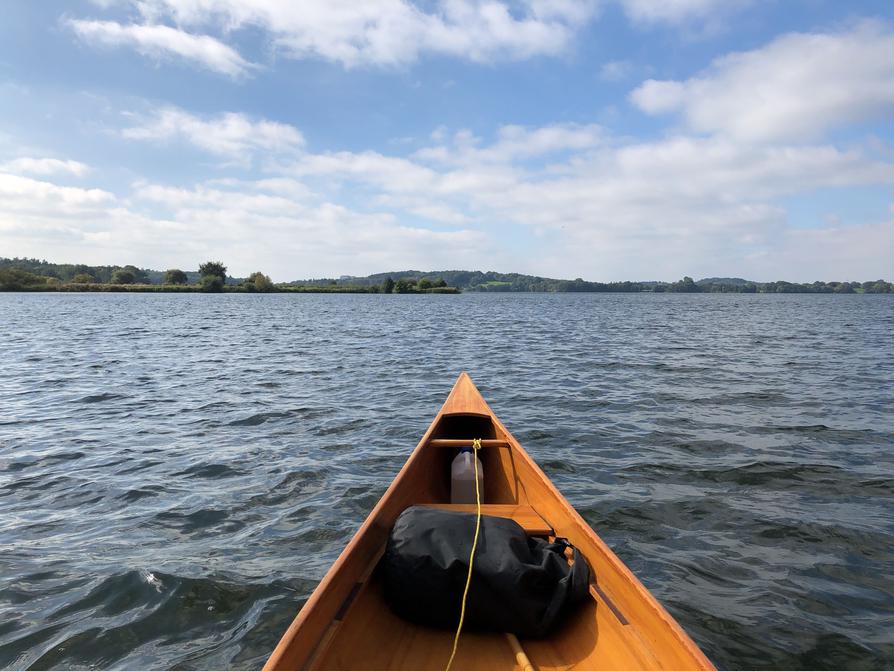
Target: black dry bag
{"points": [[520, 584]]}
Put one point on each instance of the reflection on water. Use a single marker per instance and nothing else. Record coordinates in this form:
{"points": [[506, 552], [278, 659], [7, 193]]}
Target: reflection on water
{"points": [[177, 471]]}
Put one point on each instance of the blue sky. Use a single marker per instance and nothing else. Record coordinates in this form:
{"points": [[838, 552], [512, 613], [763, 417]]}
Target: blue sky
{"points": [[604, 139]]}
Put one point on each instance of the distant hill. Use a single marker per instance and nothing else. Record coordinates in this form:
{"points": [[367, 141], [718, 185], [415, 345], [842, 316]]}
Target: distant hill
{"points": [[490, 281], [726, 281], [477, 280]]}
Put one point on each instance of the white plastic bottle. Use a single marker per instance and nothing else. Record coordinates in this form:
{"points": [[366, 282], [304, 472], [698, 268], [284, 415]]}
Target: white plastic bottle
{"points": [[462, 477]]}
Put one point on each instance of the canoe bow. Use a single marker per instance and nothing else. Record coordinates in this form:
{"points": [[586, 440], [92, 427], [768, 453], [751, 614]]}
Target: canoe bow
{"points": [[345, 623]]}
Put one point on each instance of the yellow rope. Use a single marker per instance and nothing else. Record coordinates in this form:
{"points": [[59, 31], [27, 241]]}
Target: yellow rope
{"points": [[476, 445]]}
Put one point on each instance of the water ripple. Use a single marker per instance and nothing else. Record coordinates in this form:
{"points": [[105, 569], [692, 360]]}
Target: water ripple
{"points": [[175, 480]]}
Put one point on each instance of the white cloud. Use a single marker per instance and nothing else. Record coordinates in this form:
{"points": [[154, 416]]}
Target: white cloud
{"points": [[393, 174], [660, 97], [515, 143], [45, 220], [675, 189], [304, 236], [24, 195], [856, 253], [45, 166], [583, 203], [242, 199], [231, 135], [709, 169], [615, 71], [160, 41], [611, 209], [795, 88], [376, 32], [293, 232], [37, 216]]}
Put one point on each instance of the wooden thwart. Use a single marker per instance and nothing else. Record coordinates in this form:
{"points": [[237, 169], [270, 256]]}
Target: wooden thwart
{"points": [[525, 516], [457, 442]]}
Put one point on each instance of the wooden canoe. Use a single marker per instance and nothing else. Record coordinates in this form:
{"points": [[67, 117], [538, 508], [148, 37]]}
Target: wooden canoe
{"points": [[347, 625]]}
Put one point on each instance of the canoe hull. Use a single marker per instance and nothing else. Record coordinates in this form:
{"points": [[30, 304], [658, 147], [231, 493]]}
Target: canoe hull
{"points": [[346, 624]]}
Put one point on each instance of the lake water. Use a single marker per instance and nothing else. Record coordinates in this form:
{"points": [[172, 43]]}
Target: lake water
{"points": [[178, 471]]}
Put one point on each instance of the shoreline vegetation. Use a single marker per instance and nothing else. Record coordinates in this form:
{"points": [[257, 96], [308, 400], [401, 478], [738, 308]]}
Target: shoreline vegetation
{"points": [[37, 275]]}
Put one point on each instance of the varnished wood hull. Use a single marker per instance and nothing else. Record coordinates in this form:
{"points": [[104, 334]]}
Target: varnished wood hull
{"points": [[346, 624]]}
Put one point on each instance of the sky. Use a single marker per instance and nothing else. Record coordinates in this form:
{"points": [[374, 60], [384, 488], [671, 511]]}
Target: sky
{"points": [[601, 139]]}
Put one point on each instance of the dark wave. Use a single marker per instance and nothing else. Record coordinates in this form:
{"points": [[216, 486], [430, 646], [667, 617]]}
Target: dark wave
{"points": [[99, 398], [210, 471], [106, 624]]}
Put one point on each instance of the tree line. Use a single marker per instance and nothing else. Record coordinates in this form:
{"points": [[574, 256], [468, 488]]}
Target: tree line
{"points": [[211, 277], [38, 275], [688, 285], [491, 281]]}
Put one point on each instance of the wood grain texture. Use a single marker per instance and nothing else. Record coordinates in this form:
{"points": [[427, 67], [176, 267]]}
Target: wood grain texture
{"points": [[622, 626]]}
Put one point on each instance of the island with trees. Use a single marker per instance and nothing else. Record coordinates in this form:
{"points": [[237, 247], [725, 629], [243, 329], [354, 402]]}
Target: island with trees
{"points": [[22, 274]]}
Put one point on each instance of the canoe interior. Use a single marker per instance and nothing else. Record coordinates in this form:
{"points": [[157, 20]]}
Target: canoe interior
{"points": [[346, 623]]}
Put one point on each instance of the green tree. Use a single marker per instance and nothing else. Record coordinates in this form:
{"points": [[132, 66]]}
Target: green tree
{"points": [[175, 276], [122, 276], [402, 286], [259, 282], [424, 284], [83, 278], [387, 286], [687, 286], [440, 282], [15, 279], [211, 284], [213, 269], [139, 276]]}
